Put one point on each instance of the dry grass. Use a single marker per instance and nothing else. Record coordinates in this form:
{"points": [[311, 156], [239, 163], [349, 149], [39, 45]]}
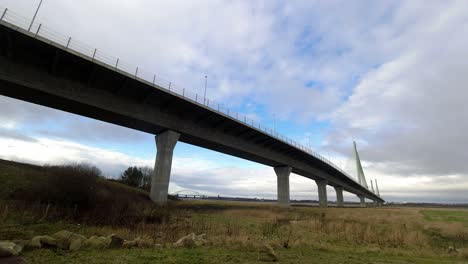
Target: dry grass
{"points": [[245, 225], [238, 225]]}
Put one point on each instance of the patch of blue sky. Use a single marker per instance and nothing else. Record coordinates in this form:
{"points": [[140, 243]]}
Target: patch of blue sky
{"points": [[310, 134], [306, 42], [314, 84]]}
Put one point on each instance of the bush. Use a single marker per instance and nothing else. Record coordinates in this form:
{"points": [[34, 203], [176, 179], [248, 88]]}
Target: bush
{"points": [[139, 177], [146, 180], [132, 176], [72, 185]]}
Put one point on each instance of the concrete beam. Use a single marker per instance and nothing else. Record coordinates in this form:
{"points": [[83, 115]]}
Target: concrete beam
{"points": [[322, 192], [26, 78], [165, 143], [362, 201], [146, 95], [282, 174], [119, 87], [54, 62], [339, 196]]}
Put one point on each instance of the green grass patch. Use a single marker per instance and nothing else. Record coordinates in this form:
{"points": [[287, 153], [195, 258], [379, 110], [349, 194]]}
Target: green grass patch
{"points": [[460, 216], [211, 255]]}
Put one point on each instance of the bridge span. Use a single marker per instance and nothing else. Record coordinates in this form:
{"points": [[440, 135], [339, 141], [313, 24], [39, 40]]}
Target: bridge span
{"points": [[37, 68]]}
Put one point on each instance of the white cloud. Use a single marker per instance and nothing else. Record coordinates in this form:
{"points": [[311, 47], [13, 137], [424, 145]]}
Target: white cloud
{"points": [[48, 151], [399, 66], [411, 110]]}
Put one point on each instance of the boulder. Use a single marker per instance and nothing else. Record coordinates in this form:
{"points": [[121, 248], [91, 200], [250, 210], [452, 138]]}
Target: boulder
{"points": [[200, 240], [267, 253], [9, 248], [116, 241], [129, 244], [96, 242], [69, 240], [144, 242], [42, 242], [76, 242], [62, 238], [452, 250], [21, 242], [186, 241]]}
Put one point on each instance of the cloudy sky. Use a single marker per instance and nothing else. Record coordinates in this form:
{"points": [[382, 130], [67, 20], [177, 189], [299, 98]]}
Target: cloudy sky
{"points": [[391, 75]]}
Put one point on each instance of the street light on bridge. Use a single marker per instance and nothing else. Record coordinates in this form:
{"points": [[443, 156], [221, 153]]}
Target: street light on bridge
{"points": [[204, 96]]}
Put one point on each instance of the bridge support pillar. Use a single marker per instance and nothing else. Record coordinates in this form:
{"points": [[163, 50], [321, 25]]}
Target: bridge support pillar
{"points": [[322, 192], [282, 174], [362, 200], [339, 196], [165, 143]]}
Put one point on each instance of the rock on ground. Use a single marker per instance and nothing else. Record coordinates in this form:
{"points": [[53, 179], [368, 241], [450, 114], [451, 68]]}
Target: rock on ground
{"points": [[42, 242], [96, 242], [116, 241], [62, 238], [186, 241], [69, 240], [9, 249], [267, 253], [129, 244], [452, 250], [191, 240], [200, 240], [144, 242]]}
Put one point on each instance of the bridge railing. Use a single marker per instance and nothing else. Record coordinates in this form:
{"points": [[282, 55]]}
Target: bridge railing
{"points": [[42, 32]]}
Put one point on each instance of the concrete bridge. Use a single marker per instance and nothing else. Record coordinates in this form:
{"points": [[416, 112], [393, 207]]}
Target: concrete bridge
{"points": [[40, 67]]}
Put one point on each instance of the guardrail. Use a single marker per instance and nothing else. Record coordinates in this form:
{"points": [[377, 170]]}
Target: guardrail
{"points": [[42, 32]]}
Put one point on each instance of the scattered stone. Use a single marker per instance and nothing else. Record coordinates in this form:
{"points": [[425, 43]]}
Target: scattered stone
{"points": [[158, 245], [267, 253], [42, 242], [116, 241], [62, 238], [144, 242], [191, 240], [452, 250], [129, 244], [9, 249], [186, 241], [200, 240], [76, 242], [21, 242], [96, 242]]}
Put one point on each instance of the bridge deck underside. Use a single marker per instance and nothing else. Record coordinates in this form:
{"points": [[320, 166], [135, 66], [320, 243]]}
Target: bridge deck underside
{"points": [[41, 73]]}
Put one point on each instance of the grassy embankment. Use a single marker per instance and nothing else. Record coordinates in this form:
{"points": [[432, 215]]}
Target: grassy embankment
{"points": [[235, 230]]}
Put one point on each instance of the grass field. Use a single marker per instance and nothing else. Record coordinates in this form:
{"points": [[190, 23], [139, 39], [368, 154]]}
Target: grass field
{"points": [[448, 215], [236, 231]]}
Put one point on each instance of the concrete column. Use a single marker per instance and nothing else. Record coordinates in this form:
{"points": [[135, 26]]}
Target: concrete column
{"points": [[282, 174], [362, 201], [165, 143], [339, 196], [322, 191]]}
